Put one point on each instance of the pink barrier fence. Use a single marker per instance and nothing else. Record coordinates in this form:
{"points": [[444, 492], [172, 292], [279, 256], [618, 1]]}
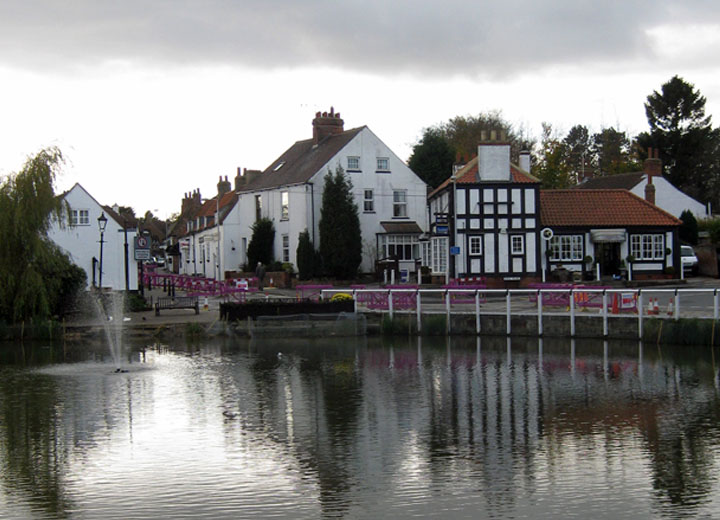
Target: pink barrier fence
{"points": [[560, 295], [379, 299], [464, 293], [310, 291], [198, 286]]}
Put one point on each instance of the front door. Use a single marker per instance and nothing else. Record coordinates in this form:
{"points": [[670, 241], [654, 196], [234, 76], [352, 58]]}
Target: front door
{"points": [[609, 255]]}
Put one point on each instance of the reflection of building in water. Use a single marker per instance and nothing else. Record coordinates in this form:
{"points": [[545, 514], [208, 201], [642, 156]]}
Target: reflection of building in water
{"points": [[363, 429]]}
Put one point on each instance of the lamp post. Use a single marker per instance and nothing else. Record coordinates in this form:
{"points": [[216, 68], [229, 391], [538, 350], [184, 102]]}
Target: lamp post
{"points": [[102, 223]]}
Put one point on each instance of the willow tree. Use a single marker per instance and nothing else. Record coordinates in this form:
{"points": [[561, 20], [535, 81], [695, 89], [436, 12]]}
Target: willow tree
{"points": [[36, 278]]}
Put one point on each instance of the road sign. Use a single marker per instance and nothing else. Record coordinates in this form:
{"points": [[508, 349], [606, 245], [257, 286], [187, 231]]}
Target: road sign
{"points": [[142, 247]]}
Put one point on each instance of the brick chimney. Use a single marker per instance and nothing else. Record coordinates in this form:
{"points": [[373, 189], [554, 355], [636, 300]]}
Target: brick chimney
{"points": [[650, 190], [191, 201], [652, 165], [326, 124], [493, 157], [223, 186]]}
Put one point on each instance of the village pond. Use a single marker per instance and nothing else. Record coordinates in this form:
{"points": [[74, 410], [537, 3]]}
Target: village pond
{"points": [[360, 428]]}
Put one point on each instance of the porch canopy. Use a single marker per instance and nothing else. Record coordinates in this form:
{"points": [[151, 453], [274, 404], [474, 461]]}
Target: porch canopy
{"points": [[607, 235]]}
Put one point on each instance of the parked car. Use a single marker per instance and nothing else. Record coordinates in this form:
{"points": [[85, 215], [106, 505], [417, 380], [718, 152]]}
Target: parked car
{"points": [[688, 259]]}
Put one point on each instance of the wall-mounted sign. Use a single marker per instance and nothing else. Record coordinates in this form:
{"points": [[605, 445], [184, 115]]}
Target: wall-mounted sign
{"points": [[454, 250], [441, 230]]}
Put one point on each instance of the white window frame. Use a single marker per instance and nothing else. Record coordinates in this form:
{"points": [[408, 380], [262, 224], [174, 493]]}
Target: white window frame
{"points": [[517, 244], [284, 205], [475, 245], [368, 201], [79, 217], [383, 164], [400, 204], [647, 246], [402, 247], [439, 254], [566, 248], [258, 207], [286, 248], [353, 163]]}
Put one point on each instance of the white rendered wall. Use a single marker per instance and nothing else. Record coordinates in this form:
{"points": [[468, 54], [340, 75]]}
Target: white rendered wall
{"points": [[82, 243], [305, 200], [671, 199]]}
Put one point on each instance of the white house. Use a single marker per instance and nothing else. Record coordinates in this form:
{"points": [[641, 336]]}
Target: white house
{"points": [[80, 238], [485, 219], [390, 197], [651, 185]]}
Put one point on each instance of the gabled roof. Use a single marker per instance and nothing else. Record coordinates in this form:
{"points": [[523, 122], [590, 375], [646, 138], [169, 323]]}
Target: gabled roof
{"points": [[600, 208], [468, 175], [301, 161], [210, 206], [119, 219], [624, 181]]}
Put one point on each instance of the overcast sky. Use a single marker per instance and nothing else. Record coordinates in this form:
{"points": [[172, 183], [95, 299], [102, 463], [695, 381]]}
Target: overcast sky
{"points": [[151, 99]]}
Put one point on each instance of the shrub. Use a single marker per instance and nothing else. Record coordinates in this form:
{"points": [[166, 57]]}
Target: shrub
{"points": [[341, 297]]}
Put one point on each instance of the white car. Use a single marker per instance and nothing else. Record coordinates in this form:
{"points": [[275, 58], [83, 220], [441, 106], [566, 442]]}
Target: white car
{"points": [[688, 259]]}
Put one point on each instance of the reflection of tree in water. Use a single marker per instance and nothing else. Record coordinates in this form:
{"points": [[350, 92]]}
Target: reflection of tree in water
{"points": [[682, 443], [323, 414], [33, 455]]}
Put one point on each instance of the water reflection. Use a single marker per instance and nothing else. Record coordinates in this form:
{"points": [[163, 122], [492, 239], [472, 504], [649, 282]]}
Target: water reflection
{"points": [[447, 428]]}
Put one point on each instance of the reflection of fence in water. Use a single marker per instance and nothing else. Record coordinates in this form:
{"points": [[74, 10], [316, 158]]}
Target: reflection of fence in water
{"points": [[310, 325]]}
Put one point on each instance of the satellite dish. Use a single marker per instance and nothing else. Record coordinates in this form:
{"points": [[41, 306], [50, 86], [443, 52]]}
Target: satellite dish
{"points": [[546, 233]]}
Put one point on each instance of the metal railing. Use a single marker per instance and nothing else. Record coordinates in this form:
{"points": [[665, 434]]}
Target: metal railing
{"points": [[605, 303]]}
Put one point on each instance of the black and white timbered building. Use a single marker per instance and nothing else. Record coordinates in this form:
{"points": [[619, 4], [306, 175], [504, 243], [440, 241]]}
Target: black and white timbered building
{"points": [[485, 219]]}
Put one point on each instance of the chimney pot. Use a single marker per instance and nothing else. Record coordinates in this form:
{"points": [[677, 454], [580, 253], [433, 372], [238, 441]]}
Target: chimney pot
{"points": [[325, 125]]}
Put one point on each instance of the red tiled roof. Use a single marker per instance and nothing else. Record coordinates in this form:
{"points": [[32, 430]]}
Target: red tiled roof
{"points": [[468, 175], [600, 208]]}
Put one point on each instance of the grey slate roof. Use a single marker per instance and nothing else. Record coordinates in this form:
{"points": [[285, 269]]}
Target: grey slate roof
{"points": [[301, 161], [622, 181]]}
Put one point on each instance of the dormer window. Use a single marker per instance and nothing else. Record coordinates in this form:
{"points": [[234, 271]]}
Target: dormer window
{"points": [[279, 165]]}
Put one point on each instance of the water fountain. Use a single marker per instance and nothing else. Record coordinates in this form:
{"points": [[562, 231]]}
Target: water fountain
{"points": [[110, 308]]}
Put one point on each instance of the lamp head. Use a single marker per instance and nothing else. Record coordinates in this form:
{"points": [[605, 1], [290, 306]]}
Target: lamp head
{"points": [[102, 222]]}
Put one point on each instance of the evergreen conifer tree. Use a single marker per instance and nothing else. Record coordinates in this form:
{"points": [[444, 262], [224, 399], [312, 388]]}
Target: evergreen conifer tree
{"points": [[340, 239], [260, 248], [307, 258]]}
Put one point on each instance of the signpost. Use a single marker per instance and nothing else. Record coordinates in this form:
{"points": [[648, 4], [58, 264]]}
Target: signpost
{"points": [[142, 248]]}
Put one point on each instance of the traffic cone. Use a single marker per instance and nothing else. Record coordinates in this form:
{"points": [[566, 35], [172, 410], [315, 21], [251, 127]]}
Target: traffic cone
{"points": [[615, 307], [656, 307], [650, 306], [670, 306]]}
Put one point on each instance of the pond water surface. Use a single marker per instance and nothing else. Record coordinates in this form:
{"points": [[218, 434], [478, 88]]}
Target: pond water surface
{"points": [[360, 428]]}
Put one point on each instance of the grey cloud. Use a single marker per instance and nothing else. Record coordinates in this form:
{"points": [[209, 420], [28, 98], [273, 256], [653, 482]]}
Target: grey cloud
{"points": [[378, 36]]}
